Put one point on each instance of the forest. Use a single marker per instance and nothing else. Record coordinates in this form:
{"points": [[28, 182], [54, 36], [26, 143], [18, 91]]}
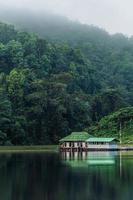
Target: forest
{"points": [[49, 87]]}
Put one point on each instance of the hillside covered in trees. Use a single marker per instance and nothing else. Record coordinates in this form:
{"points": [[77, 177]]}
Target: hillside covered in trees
{"points": [[119, 122], [49, 88]]}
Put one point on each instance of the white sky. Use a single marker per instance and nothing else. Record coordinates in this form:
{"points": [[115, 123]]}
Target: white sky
{"points": [[112, 15]]}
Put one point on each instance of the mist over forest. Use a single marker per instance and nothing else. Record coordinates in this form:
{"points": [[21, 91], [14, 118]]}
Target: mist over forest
{"points": [[47, 24], [59, 76]]}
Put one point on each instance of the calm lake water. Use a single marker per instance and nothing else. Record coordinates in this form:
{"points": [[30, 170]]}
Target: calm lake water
{"points": [[53, 176]]}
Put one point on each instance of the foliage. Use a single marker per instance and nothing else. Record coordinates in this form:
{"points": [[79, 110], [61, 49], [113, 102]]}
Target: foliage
{"points": [[49, 89], [112, 124]]}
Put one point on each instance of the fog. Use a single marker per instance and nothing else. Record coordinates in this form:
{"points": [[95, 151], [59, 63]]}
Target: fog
{"points": [[112, 15]]}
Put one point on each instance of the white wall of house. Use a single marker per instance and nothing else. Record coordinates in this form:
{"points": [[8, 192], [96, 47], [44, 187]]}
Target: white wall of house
{"points": [[90, 145], [114, 146], [67, 144], [74, 144], [102, 146], [79, 144], [83, 144]]}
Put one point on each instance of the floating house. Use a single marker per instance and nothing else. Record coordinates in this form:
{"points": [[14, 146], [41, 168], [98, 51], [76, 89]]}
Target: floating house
{"points": [[100, 143], [82, 141], [75, 141]]}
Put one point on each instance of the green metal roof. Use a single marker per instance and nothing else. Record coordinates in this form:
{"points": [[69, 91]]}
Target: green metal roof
{"points": [[76, 137], [98, 139]]}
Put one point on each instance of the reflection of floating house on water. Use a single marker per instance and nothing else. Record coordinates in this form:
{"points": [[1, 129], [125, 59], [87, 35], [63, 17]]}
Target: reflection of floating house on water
{"points": [[85, 159], [82, 141], [101, 158], [74, 159]]}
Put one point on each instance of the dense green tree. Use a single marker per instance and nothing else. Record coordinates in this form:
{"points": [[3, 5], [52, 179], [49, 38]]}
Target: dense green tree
{"points": [[107, 102], [5, 116]]}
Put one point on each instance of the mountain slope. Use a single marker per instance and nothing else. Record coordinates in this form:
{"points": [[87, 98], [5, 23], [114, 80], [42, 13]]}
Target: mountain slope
{"points": [[49, 89]]}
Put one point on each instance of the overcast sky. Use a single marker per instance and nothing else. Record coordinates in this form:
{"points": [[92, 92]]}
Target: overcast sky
{"points": [[112, 15]]}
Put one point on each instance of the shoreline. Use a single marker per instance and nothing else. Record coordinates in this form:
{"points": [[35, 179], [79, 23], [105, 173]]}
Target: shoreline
{"points": [[46, 148], [29, 149]]}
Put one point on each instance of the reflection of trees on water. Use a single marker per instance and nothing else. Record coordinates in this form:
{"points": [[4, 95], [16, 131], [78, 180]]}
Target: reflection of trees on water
{"points": [[79, 176], [5, 189], [29, 177], [102, 169]]}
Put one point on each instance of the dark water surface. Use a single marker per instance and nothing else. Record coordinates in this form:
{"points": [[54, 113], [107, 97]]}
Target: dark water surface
{"points": [[52, 176]]}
